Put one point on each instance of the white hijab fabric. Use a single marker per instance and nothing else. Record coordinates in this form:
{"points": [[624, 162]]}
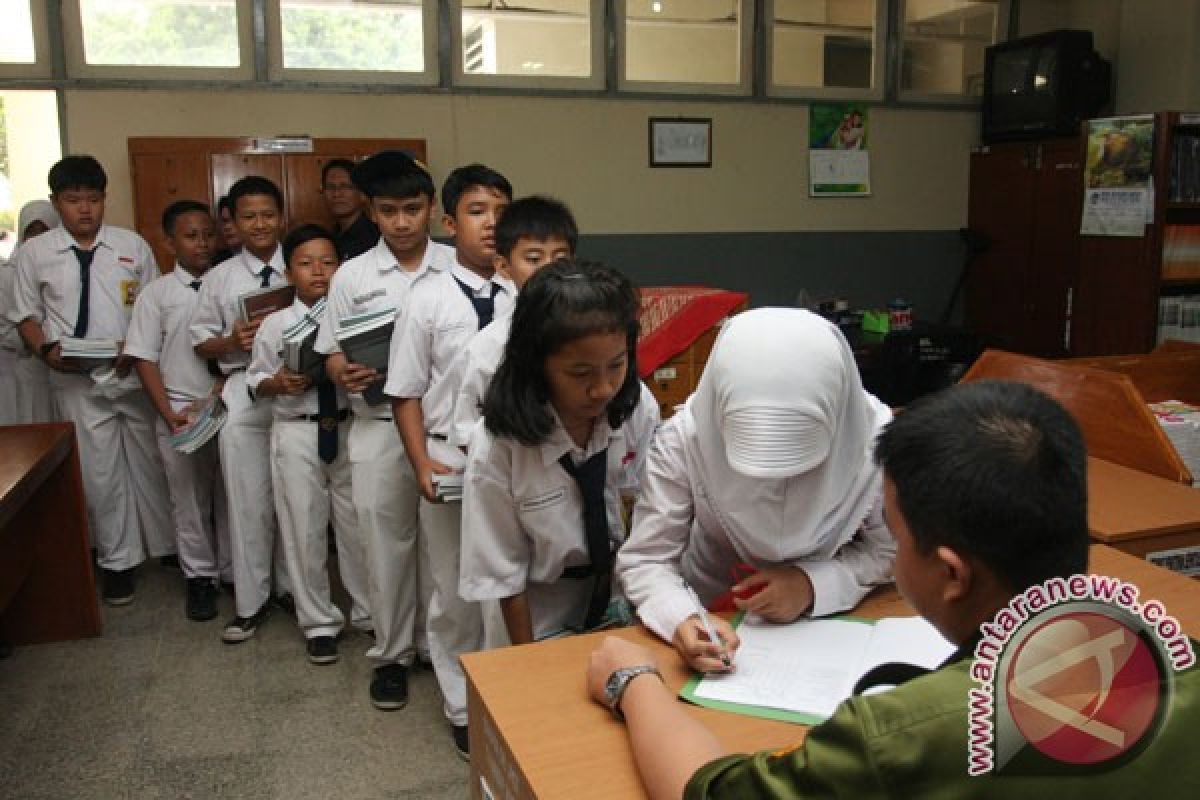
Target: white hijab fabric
{"points": [[36, 210], [784, 431]]}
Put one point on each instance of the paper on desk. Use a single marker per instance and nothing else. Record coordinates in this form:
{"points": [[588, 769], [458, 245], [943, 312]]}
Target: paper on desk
{"points": [[801, 672]]}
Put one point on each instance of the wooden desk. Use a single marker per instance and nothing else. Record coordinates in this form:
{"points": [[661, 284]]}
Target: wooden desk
{"points": [[47, 589], [1140, 513], [535, 733]]}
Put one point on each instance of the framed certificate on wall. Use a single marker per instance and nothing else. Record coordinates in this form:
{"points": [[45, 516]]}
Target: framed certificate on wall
{"points": [[679, 142]]}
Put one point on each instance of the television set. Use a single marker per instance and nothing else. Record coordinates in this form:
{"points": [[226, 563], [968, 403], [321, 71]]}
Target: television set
{"points": [[1043, 85]]}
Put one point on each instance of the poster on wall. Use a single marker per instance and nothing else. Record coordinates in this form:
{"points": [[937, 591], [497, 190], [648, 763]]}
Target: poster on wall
{"points": [[838, 163], [1118, 197]]}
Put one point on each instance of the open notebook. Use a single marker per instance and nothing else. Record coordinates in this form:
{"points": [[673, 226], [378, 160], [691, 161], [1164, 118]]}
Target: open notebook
{"points": [[800, 672]]}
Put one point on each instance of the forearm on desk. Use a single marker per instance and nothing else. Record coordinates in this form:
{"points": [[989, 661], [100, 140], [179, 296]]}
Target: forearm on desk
{"points": [[668, 744]]}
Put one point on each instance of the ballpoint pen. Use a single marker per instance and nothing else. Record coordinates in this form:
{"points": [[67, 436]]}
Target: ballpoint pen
{"points": [[708, 628]]}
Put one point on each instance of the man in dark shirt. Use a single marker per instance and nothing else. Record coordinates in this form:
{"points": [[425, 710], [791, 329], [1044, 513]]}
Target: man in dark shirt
{"points": [[353, 232]]}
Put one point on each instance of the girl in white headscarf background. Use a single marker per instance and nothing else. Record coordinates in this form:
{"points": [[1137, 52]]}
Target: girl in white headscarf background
{"points": [[768, 464], [24, 383]]}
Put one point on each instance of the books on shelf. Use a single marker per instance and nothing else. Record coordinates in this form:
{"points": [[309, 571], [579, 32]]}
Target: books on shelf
{"points": [[1184, 185], [449, 487], [801, 671], [89, 354], [261, 302], [367, 339], [1181, 252], [1181, 423], [1179, 318], [298, 339], [205, 420]]}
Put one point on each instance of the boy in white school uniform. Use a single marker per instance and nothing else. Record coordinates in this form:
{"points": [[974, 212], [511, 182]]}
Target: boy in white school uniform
{"points": [[400, 197], [81, 281], [175, 380], [442, 316], [310, 473], [219, 332]]}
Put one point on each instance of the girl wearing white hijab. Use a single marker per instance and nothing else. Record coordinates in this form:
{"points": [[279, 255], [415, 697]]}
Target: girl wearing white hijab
{"points": [[769, 464], [24, 381]]}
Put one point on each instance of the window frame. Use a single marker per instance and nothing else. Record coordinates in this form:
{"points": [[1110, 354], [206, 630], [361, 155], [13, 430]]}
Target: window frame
{"points": [[41, 66], [276, 71], [1003, 12], [77, 66], [594, 82], [879, 65]]}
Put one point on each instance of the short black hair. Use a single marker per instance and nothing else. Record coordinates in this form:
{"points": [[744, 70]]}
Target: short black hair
{"points": [[223, 204], [562, 302], [392, 173], [336, 163], [302, 235], [177, 209], [254, 184], [77, 172], [469, 177], [535, 217], [995, 470]]}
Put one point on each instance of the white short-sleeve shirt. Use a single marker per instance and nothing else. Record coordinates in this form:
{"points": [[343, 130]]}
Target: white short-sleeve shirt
{"points": [[266, 360], [159, 333], [477, 365], [218, 309]]}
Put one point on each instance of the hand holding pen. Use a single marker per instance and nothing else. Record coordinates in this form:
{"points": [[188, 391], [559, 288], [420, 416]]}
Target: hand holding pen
{"points": [[707, 643]]}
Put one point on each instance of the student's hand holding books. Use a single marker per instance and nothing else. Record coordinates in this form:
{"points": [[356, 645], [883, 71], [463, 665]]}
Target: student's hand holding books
{"points": [[777, 594], [243, 333], [290, 383], [178, 420], [700, 652], [356, 377], [425, 478]]}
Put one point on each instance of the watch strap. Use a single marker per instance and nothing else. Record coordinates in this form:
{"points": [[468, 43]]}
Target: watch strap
{"points": [[624, 677]]}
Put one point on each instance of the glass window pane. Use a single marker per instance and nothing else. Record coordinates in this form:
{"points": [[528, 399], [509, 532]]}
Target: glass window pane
{"points": [[160, 33], [823, 43], [944, 43], [375, 35], [683, 41], [29, 146], [534, 38], [16, 34]]}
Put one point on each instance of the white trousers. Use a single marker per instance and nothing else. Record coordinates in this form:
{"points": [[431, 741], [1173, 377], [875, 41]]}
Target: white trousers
{"points": [[35, 401], [127, 498], [244, 443], [454, 625], [198, 507], [385, 494], [308, 492], [9, 407]]}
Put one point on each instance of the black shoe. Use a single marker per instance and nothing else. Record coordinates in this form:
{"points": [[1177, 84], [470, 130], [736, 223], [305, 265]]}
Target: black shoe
{"points": [[389, 687], [242, 628], [117, 586], [322, 650], [462, 742], [227, 586], [285, 603], [170, 561], [201, 599]]}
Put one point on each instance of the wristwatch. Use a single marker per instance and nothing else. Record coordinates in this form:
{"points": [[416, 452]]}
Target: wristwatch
{"points": [[618, 682]]}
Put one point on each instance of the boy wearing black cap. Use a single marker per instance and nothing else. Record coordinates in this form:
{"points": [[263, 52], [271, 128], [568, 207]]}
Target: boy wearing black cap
{"points": [[400, 197]]}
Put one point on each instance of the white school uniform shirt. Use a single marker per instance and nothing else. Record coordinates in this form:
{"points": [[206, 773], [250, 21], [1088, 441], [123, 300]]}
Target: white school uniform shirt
{"points": [[439, 321], [522, 517], [48, 282], [218, 308], [807, 493], [9, 338], [374, 281], [266, 359], [476, 366], [159, 333]]}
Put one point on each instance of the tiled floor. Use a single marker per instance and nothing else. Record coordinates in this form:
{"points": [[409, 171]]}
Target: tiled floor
{"points": [[159, 707]]}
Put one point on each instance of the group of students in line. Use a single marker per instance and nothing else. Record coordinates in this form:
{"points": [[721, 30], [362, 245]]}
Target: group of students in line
{"points": [[512, 362]]}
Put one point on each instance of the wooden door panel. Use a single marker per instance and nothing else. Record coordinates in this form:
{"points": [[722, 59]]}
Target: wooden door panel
{"points": [[159, 181], [305, 203]]}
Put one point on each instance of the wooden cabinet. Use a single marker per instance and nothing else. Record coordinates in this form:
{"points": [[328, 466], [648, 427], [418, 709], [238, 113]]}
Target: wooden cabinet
{"points": [[166, 169], [1024, 201]]}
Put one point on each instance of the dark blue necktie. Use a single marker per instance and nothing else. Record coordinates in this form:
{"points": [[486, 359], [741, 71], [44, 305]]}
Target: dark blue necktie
{"points": [[195, 286], [327, 421], [590, 477], [85, 290], [266, 277], [485, 307]]}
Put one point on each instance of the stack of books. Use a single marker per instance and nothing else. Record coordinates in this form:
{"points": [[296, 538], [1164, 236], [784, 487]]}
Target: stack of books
{"points": [[449, 488], [367, 339], [1181, 423], [89, 354], [298, 339], [261, 302], [205, 420]]}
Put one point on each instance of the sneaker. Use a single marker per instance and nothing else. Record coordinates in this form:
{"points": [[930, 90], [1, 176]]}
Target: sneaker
{"points": [[462, 742], [242, 628], [201, 599], [170, 561], [389, 687], [118, 586], [285, 603], [322, 650]]}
